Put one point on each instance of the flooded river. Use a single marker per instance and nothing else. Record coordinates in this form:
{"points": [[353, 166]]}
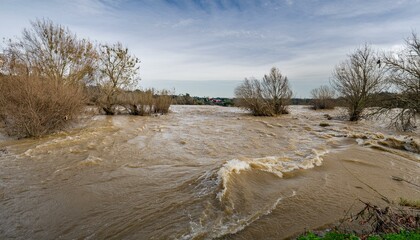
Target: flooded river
{"points": [[201, 172]]}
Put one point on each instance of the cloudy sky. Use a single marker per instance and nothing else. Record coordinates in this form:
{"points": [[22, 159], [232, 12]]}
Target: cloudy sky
{"points": [[206, 47]]}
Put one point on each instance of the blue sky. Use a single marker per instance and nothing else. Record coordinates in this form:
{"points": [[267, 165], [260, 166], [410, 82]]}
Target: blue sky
{"points": [[206, 47]]}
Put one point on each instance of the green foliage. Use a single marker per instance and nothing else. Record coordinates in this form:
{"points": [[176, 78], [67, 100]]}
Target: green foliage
{"points": [[403, 235], [410, 203], [329, 236]]}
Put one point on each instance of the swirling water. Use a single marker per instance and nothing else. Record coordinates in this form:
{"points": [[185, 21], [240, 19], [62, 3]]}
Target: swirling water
{"points": [[200, 172]]}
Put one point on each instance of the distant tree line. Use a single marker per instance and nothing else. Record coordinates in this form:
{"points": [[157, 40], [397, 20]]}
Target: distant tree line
{"points": [[186, 99], [49, 74]]}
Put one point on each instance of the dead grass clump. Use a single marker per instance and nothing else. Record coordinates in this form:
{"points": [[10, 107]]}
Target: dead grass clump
{"points": [[141, 103], [33, 106], [163, 101], [410, 203]]}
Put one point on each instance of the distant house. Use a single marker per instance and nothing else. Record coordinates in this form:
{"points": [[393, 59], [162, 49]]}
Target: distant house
{"points": [[216, 100]]}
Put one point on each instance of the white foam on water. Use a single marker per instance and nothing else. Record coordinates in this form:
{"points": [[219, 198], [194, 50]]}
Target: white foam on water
{"points": [[223, 175], [272, 164], [91, 161], [236, 223]]}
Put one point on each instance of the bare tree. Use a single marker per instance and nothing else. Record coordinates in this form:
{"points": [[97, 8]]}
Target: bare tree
{"points": [[268, 97], [276, 90], [248, 95], [404, 69], [118, 71], [41, 80], [51, 51], [358, 79], [323, 97]]}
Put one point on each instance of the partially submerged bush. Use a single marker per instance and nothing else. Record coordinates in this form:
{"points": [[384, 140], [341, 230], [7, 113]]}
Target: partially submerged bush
{"points": [[268, 97], [33, 106], [141, 103], [163, 101], [42, 75], [138, 102], [147, 102], [323, 98]]}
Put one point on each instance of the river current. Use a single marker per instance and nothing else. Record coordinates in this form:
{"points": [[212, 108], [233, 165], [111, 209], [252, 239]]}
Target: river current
{"points": [[200, 172]]}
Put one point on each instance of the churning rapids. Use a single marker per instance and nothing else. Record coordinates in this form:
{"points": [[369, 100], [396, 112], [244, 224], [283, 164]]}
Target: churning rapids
{"points": [[200, 172]]}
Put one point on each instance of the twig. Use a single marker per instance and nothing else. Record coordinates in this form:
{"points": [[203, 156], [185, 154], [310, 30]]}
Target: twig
{"points": [[395, 178], [383, 197]]}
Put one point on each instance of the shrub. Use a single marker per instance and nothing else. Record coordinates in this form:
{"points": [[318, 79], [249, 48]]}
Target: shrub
{"points": [[34, 106], [268, 97], [141, 103], [138, 102], [323, 98], [163, 101]]}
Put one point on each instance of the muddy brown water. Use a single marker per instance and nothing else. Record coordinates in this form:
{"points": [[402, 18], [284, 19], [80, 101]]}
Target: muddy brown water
{"points": [[201, 172]]}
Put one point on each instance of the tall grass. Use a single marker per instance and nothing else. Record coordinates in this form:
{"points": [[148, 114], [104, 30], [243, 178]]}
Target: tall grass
{"points": [[143, 103], [34, 106]]}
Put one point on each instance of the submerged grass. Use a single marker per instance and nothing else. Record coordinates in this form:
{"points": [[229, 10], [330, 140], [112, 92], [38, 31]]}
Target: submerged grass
{"points": [[410, 203]]}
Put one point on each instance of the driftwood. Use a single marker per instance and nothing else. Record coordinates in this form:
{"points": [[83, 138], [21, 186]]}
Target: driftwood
{"points": [[388, 219]]}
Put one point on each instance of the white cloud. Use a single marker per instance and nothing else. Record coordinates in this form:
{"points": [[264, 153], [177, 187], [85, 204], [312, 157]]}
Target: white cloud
{"points": [[227, 42], [289, 2]]}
